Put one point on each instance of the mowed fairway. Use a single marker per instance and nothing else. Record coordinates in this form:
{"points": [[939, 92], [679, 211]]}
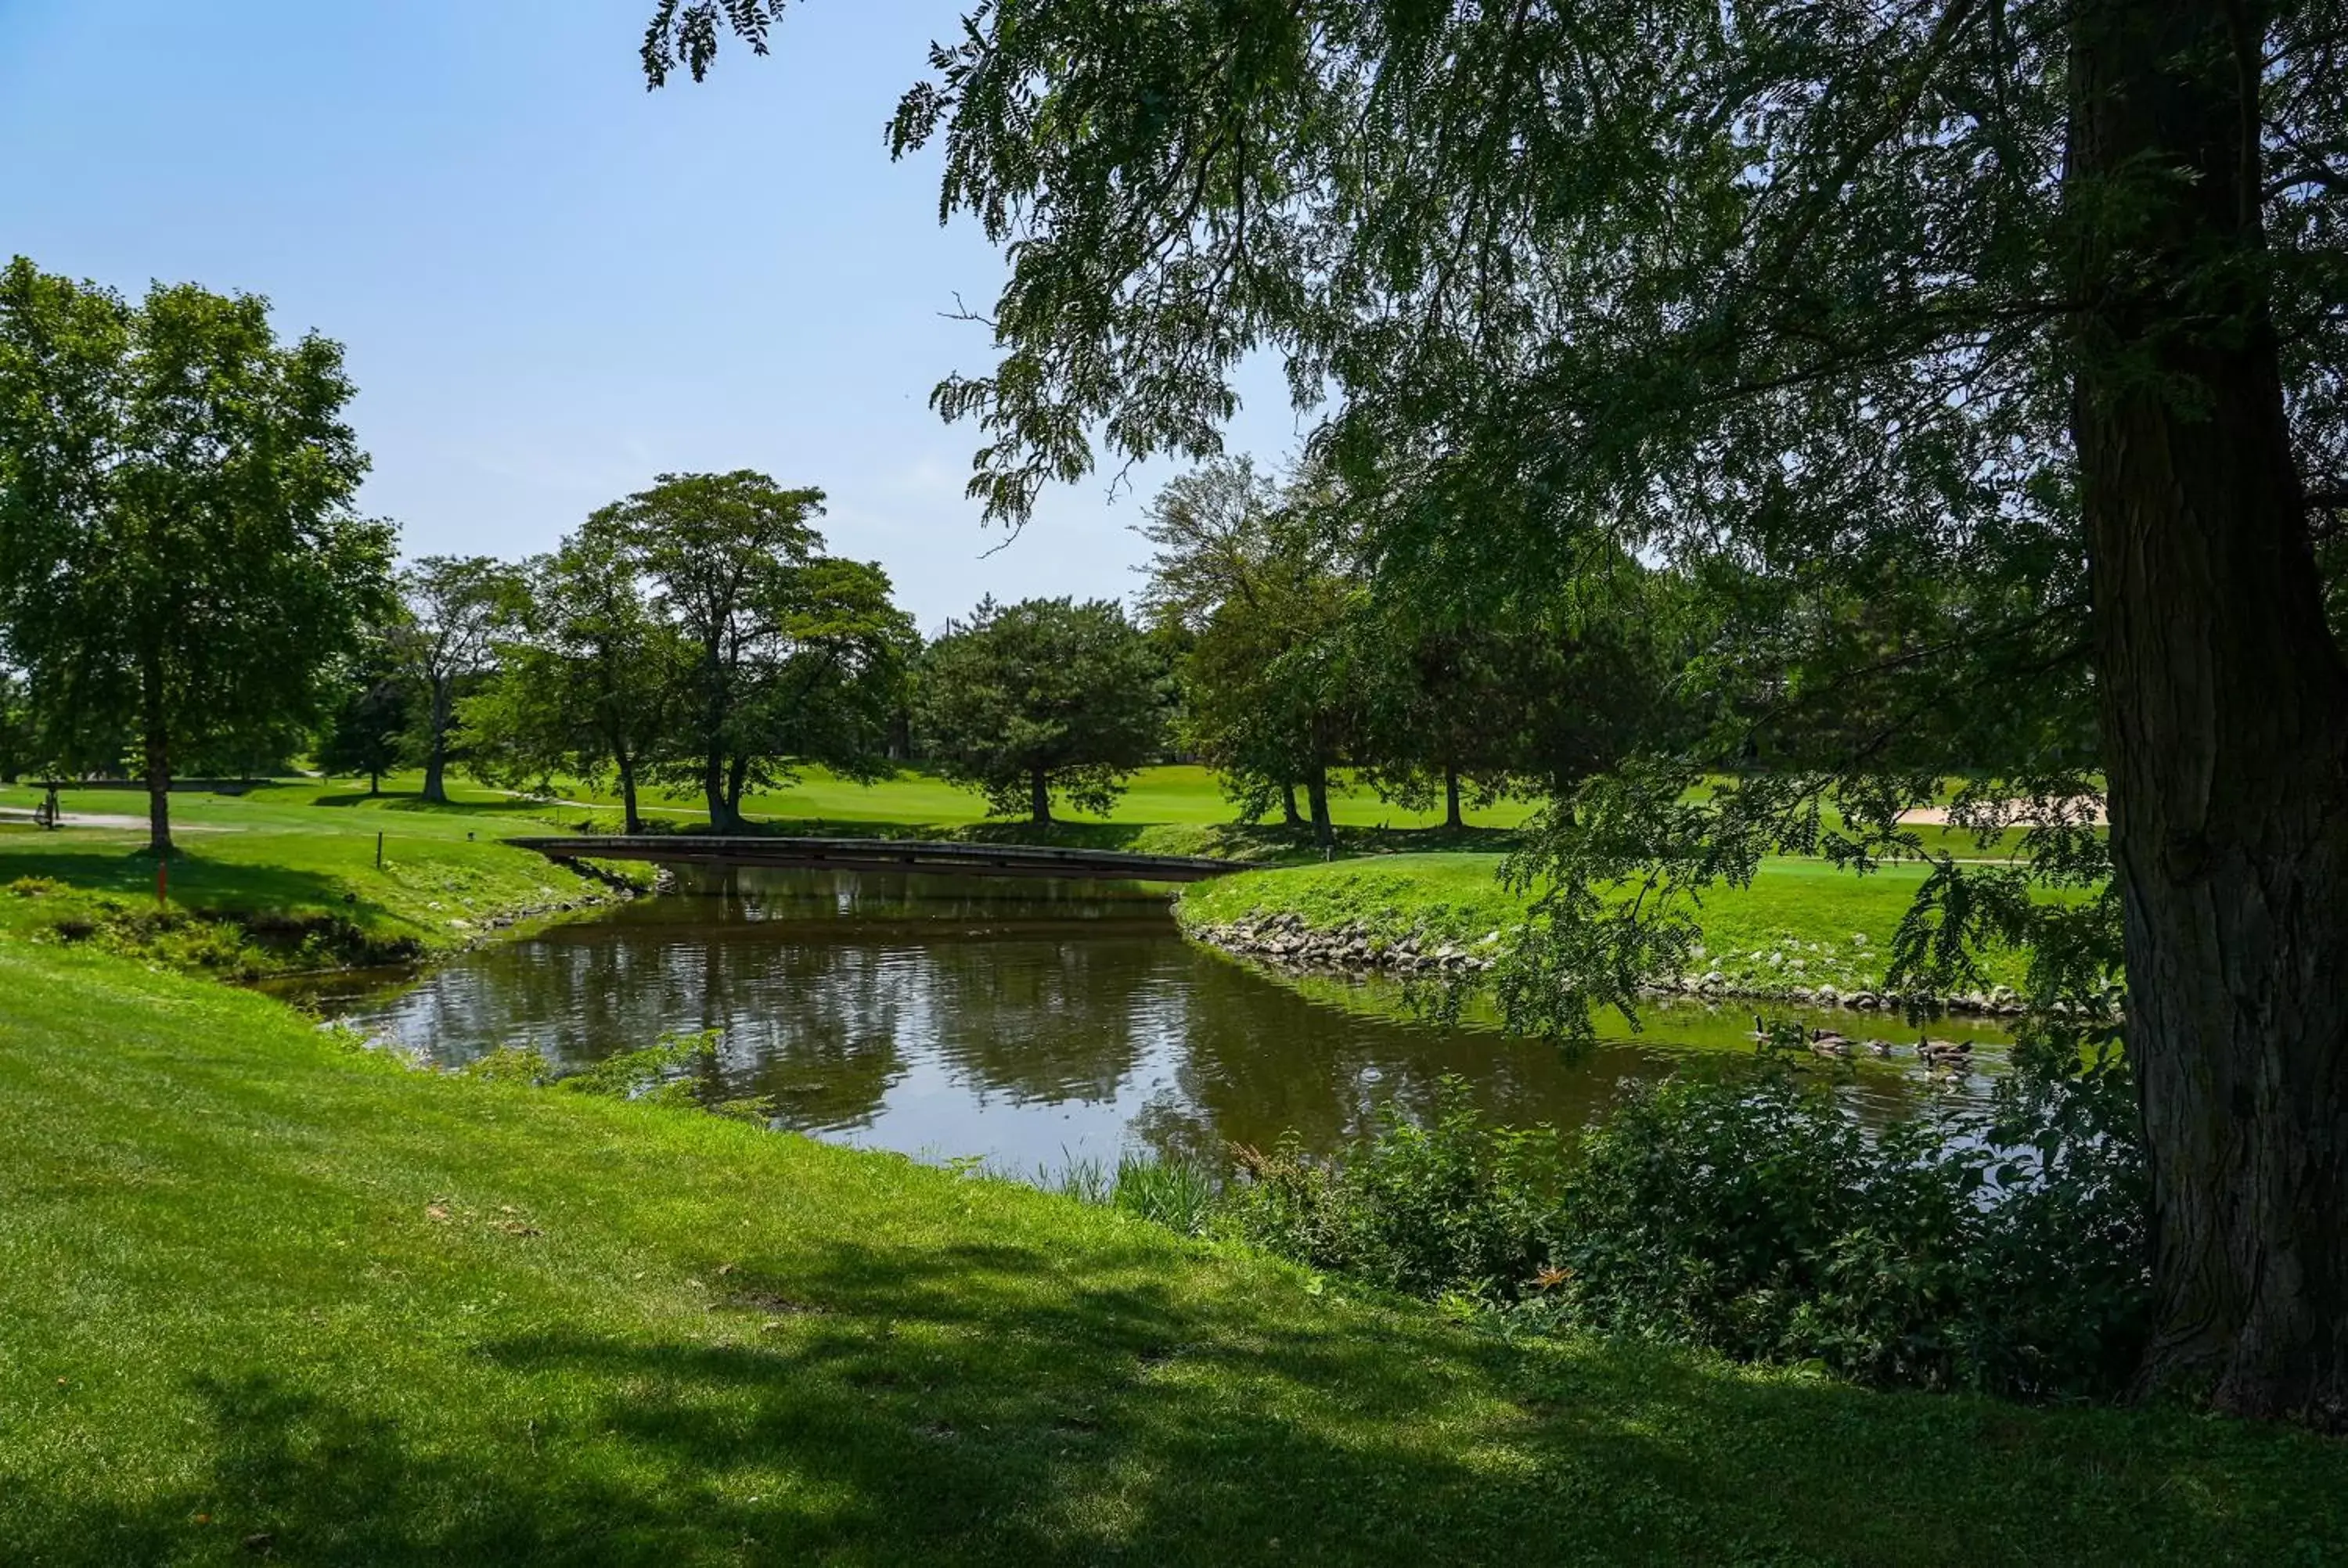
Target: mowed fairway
{"points": [[264, 1297], [1184, 796]]}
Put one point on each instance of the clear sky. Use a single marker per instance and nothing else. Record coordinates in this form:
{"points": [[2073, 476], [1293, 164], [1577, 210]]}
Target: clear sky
{"points": [[552, 284]]}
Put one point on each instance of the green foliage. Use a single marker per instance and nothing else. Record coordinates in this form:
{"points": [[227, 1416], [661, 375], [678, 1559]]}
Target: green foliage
{"points": [[667, 1072], [1449, 1206], [590, 678], [511, 1064], [1280, 664], [789, 656], [367, 719], [444, 643], [1175, 1194], [1753, 1217], [233, 944], [179, 557], [1045, 697]]}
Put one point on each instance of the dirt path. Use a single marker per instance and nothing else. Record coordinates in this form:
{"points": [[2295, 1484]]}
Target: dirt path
{"points": [[1937, 817], [107, 819]]}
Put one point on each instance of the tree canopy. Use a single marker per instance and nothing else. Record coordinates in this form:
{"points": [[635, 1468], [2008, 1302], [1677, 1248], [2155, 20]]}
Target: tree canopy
{"points": [[786, 655], [1045, 698], [179, 555]]}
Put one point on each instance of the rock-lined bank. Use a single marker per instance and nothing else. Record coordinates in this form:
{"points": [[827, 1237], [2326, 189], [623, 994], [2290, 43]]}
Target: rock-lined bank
{"points": [[1287, 940]]}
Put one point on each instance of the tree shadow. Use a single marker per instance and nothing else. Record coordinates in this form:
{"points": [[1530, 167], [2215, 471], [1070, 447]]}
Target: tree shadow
{"points": [[412, 801], [994, 1403], [195, 880]]}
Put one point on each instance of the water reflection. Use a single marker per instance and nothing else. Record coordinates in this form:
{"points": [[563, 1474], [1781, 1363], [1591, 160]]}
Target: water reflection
{"points": [[1027, 1023]]}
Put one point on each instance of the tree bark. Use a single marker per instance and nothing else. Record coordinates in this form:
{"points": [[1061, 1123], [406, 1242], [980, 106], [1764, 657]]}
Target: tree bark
{"points": [[1039, 798], [2225, 716], [1316, 794], [157, 754], [737, 777], [1451, 818], [435, 749], [630, 821], [713, 790], [1288, 816]]}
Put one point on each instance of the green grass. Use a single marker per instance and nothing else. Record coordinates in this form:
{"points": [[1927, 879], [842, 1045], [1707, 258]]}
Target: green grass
{"points": [[263, 1294], [1167, 810], [294, 853], [1800, 923]]}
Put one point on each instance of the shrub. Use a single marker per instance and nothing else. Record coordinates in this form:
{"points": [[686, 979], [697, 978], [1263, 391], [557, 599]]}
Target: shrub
{"points": [[1757, 1218], [669, 1072], [1451, 1206]]}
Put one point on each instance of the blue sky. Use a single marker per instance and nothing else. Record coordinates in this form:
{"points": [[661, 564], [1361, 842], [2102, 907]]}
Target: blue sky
{"points": [[553, 285]]}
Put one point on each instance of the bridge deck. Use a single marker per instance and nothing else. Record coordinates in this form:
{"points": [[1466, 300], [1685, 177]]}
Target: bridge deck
{"points": [[893, 854]]}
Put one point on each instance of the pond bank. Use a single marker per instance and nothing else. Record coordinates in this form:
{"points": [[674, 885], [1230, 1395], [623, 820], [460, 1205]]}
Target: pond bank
{"points": [[1802, 935]]}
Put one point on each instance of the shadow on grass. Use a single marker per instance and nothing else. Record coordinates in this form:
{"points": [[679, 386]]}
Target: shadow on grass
{"points": [[196, 881], [990, 1403], [410, 800]]}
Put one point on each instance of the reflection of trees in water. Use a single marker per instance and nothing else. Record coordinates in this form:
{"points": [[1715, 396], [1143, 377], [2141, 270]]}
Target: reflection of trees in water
{"points": [[1047, 1020], [827, 1015], [1262, 1060]]}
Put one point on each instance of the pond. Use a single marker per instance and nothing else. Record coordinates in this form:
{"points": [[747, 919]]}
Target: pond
{"points": [[1027, 1024]]}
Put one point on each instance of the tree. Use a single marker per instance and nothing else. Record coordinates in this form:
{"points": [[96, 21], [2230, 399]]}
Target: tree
{"points": [[1045, 697], [446, 644], [1278, 666], [15, 728], [587, 674], [367, 722], [179, 556], [2033, 297], [793, 655]]}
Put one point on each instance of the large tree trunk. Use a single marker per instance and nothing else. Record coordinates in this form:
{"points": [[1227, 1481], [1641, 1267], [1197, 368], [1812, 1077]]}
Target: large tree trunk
{"points": [[630, 821], [1451, 818], [1316, 794], [436, 753], [2225, 717], [1039, 798], [1288, 815], [157, 754], [737, 778], [713, 790]]}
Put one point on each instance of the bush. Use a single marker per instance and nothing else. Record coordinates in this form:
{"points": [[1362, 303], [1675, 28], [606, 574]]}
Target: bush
{"points": [[1757, 1218], [670, 1072], [1448, 1207]]}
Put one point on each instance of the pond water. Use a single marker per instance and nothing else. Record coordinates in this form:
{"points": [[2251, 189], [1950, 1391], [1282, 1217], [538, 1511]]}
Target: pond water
{"points": [[1027, 1024]]}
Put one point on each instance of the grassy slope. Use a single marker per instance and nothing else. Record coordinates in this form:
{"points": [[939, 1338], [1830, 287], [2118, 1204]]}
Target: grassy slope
{"points": [[1803, 913], [254, 1283], [299, 849]]}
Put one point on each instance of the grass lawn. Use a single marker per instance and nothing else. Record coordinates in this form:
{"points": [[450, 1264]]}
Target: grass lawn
{"points": [[264, 1295], [1166, 810], [1801, 922], [290, 855]]}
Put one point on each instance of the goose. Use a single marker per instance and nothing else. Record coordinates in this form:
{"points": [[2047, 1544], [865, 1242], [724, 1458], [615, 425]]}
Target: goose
{"points": [[1879, 1047], [1828, 1042], [1760, 1035], [1949, 1053]]}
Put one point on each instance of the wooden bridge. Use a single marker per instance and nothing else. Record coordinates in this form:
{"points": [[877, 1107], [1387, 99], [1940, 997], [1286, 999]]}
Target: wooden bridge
{"points": [[936, 857]]}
